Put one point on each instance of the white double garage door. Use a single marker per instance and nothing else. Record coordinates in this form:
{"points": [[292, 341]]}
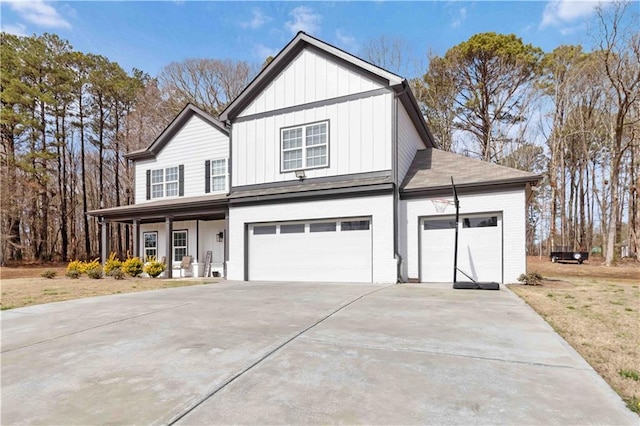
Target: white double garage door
{"points": [[327, 250], [479, 247]]}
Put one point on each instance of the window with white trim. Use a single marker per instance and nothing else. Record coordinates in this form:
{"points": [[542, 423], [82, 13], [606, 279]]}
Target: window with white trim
{"points": [[219, 175], [165, 182], [150, 245], [179, 245], [305, 147]]}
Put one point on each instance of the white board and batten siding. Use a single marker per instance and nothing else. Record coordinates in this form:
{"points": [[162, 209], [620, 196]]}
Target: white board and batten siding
{"points": [[194, 143], [409, 142], [379, 210], [359, 140], [309, 77], [508, 205]]}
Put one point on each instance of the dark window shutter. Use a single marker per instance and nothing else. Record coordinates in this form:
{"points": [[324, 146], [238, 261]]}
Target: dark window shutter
{"points": [[148, 184], [181, 180], [207, 177]]}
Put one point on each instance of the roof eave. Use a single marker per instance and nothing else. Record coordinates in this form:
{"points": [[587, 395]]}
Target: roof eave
{"points": [[421, 191], [413, 109]]}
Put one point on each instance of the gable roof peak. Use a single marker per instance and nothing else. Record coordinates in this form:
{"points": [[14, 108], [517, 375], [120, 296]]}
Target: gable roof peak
{"points": [[300, 42], [174, 126]]}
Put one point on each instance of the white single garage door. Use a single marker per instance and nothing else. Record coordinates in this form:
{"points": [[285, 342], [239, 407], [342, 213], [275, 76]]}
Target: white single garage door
{"points": [[331, 250], [479, 248]]}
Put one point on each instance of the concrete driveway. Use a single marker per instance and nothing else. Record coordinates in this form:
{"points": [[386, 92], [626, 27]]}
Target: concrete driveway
{"points": [[248, 353]]}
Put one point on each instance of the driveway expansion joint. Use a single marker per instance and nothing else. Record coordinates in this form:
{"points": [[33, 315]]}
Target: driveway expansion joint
{"points": [[269, 352], [448, 354]]}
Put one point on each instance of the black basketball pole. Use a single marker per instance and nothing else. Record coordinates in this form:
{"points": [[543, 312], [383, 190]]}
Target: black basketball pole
{"points": [[455, 246]]}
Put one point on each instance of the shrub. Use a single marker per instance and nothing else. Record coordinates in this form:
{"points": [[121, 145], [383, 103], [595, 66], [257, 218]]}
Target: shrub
{"points": [[75, 265], [95, 272], [112, 264], [117, 274], [95, 263], [48, 274], [82, 267], [132, 266], [531, 278], [73, 273], [154, 268]]}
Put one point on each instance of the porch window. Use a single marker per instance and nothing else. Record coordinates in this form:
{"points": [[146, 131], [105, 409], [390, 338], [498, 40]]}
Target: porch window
{"points": [[150, 245], [305, 147], [179, 245]]}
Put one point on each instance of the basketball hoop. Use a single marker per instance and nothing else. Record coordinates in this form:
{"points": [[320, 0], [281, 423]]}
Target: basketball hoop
{"points": [[441, 204]]}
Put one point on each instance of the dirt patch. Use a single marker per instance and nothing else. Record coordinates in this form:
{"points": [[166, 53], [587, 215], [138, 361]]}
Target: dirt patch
{"points": [[19, 292], [597, 314], [29, 270], [628, 270]]}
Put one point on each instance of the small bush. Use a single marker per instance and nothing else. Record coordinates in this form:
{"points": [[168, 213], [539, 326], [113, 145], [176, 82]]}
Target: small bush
{"points": [[132, 266], [95, 272], [82, 267], [154, 268], [48, 274], [117, 274], [73, 273], [112, 264], [75, 265], [532, 278]]}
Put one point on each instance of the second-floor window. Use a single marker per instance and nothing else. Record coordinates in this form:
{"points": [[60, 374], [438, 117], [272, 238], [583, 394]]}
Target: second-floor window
{"points": [[305, 147], [164, 182], [215, 175]]}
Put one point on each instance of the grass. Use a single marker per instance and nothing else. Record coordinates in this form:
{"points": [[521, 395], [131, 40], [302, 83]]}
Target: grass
{"points": [[599, 318], [28, 291]]}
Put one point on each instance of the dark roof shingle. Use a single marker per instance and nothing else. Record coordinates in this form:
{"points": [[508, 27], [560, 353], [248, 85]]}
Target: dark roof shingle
{"points": [[433, 169]]}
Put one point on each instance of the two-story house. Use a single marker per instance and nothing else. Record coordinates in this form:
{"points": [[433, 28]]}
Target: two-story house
{"points": [[324, 170]]}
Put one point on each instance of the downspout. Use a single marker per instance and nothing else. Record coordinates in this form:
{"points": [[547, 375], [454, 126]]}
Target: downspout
{"points": [[396, 187]]}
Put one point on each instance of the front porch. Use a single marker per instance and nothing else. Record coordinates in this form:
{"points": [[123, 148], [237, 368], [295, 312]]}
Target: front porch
{"points": [[171, 229]]}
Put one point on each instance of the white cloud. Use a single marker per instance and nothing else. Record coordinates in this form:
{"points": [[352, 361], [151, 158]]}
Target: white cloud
{"points": [[304, 19], [459, 20], [17, 29], [257, 20], [38, 12], [263, 52], [345, 41], [559, 12]]}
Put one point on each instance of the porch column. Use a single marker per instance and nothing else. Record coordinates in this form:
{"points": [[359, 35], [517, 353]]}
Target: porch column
{"points": [[169, 241], [225, 243], [136, 238], [103, 249]]}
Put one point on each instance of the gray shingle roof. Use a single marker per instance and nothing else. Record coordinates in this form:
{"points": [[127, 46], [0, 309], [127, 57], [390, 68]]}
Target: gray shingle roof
{"points": [[310, 186], [433, 168], [182, 205]]}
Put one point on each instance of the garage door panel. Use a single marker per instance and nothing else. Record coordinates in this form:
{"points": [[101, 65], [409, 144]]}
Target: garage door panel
{"points": [[334, 255], [480, 253], [437, 255], [479, 248]]}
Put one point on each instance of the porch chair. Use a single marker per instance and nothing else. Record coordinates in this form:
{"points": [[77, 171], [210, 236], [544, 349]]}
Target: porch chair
{"points": [[185, 265]]}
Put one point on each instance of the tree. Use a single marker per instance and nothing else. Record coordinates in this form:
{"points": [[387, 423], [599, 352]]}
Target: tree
{"points": [[210, 84], [492, 74], [437, 95], [391, 54], [620, 57]]}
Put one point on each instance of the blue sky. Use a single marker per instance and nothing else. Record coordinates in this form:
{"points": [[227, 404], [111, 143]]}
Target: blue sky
{"points": [[149, 34]]}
